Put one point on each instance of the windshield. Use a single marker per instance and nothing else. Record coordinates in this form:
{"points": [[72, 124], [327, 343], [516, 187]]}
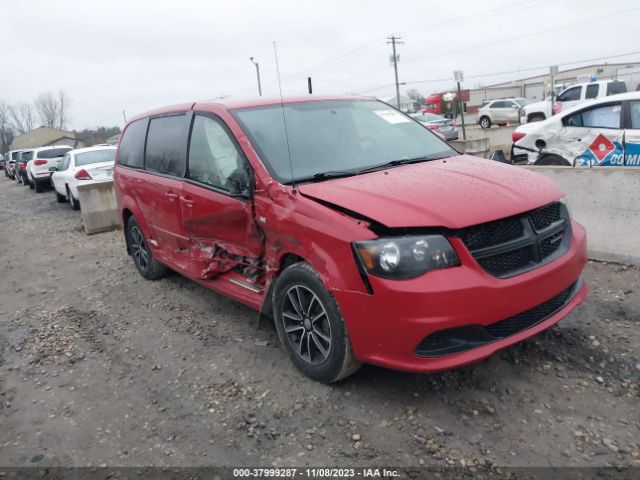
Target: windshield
{"points": [[96, 156], [331, 136]]}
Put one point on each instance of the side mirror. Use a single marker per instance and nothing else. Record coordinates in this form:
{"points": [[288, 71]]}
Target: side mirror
{"points": [[53, 169]]}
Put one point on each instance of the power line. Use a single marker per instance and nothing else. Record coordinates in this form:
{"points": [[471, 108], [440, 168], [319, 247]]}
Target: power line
{"points": [[474, 47], [506, 72]]}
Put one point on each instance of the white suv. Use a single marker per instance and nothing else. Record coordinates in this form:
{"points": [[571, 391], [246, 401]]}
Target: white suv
{"points": [[500, 111], [38, 173]]}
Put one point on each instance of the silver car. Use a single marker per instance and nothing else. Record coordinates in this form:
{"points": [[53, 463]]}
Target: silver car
{"points": [[500, 111], [444, 126]]}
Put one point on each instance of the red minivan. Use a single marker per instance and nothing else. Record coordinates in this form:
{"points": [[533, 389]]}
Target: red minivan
{"points": [[364, 236]]}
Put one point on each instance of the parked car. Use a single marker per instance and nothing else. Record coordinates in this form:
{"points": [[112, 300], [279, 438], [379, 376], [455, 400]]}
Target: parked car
{"points": [[572, 96], [498, 111], [81, 166], [351, 227], [20, 168], [437, 123], [603, 132], [38, 174], [10, 164]]}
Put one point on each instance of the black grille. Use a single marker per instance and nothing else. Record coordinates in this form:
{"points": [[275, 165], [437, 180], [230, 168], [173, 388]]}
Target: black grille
{"points": [[466, 337], [550, 244], [528, 319], [545, 216], [506, 262], [514, 245], [491, 233]]}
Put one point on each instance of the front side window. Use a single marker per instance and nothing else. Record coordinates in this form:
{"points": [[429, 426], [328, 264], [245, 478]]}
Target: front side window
{"points": [[570, 95], [214, 158], [605, 116], [498, 104], [166, 145], [95, 156], [335, 136], [132, 144]]}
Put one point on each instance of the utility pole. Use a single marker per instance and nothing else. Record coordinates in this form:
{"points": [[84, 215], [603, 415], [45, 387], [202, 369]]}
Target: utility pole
{"points": [[124, 115], [257, 74], [393, 40]]}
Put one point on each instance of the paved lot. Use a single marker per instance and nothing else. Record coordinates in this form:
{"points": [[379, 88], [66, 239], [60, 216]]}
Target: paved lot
{"points": [[98, 366]]}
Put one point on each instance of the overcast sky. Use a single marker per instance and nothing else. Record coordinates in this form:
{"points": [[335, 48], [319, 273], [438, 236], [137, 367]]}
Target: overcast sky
{"points": [[138, 55]]}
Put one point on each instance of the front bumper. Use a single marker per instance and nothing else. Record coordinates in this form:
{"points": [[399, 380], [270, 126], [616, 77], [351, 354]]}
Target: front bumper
{"points": [[387, 327]]}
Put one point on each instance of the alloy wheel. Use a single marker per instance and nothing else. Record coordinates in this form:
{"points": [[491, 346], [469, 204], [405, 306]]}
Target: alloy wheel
{"points": [[306, 324], [139, 248]]}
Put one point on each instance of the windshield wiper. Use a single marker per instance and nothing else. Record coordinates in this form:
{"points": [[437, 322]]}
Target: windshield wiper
{"points": [[333, 174], [402, 161]]}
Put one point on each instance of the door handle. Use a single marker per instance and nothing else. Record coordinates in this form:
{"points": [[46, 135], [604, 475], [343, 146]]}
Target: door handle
{"points": [[172, 196], [187, 202]]}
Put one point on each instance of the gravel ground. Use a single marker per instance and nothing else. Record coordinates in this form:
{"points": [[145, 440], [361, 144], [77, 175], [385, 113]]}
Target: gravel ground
{"points": [[100, 367]]}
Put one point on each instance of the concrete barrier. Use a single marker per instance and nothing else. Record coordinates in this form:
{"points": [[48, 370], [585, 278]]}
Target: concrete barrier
{"points": [[478, 147], [606, 200], [98, 207]]}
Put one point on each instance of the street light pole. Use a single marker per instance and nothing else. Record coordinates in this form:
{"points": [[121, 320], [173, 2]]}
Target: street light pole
{"points": [[257, 74]]}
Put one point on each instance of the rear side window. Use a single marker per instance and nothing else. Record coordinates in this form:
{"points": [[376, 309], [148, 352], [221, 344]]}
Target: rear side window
{"points": [[634, 110], [616, 87], [132, 144], [605, 116], [166, 145], [14, 155], [26, 156], [53, 152], [214, 158], [592, 90]]}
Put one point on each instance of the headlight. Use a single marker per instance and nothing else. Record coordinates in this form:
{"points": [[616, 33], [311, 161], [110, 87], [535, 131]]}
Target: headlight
{"points": [[406, 257]]}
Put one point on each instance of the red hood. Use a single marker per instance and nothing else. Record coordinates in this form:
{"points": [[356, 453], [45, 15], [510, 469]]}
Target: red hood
{"points": [[453, 193]]}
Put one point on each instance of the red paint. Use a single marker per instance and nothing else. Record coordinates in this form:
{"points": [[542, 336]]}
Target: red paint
{"points": [[186, 226]]}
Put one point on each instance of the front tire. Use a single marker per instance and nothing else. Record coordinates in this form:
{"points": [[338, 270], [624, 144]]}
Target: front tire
{"points": [[537, 117], [310, 326], [143, 259], [39, 187], [485, 122]]}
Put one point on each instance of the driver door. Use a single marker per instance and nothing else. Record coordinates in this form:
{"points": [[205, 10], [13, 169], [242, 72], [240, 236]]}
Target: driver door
{"points": [[217, 212]]}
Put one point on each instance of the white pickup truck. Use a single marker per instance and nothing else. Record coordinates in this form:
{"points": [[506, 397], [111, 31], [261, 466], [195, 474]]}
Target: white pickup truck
{"points": [[570, 97]]}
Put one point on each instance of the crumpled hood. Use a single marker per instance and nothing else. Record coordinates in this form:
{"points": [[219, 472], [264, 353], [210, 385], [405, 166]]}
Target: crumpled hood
{"points": [[455, 192]]}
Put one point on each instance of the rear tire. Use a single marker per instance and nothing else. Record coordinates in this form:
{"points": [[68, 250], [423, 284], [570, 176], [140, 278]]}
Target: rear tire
{"points": [[143, 259], [310, 326], [73, 203], [60, 198], [537, 117], [545, 160], [485, 122], [31, 184]]}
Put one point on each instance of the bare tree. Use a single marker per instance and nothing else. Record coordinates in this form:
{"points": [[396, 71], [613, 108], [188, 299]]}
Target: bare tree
{"points": [[63, 109], [415, 95], [22, 117], [53, 109], [6, 132]]}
